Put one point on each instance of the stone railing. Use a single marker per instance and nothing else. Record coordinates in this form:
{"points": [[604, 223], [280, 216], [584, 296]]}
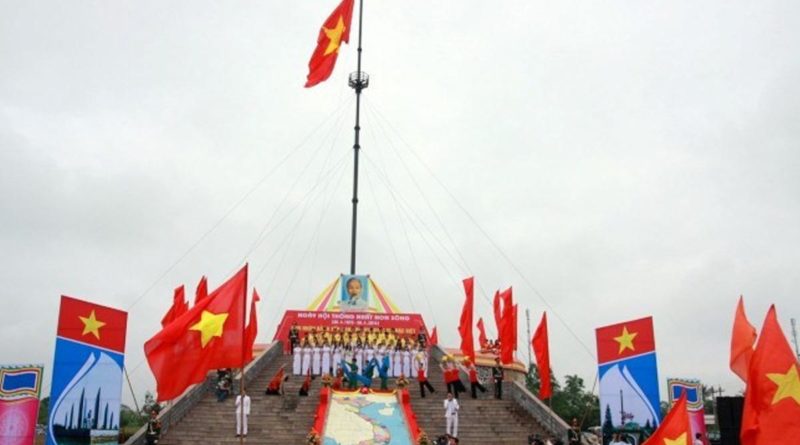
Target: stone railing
{"points": [[177, 410], [540, 412]]}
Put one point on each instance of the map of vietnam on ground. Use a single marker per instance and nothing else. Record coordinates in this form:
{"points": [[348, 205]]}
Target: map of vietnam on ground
{"points": [[355, 418]]}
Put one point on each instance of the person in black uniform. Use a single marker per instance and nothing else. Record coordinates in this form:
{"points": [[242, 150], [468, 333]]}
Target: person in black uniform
{"points": [[294, 336], [574, 433], [497, 376]]}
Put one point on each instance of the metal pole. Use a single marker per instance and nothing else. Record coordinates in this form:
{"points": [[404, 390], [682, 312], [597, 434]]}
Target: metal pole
{"points": [[241, 373], [528, 321], [128, 378], [358, 84], [794, 336]]}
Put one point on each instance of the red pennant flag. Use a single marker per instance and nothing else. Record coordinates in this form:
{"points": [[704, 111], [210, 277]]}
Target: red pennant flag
{"points": [[772, 399], [483, 342], [465, 323], [434, 337], [333, 32], [178, 308], [675, 429], [252, 328], [508, 335], [498, 314], [202, 290], [514, 330], [208, 336], [743, 339], [541, 348]]}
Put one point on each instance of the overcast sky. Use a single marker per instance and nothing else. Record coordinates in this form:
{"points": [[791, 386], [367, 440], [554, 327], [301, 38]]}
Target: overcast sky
{"points": [[614, 159]]}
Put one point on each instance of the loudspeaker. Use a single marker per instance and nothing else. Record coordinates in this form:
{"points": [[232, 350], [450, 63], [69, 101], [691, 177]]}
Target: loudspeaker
{"points": [[729, 418]]}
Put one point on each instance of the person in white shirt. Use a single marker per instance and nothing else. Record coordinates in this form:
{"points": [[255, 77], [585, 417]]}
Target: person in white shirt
{"points": [[241, 418], [297, 361], [316, 360], [306, 359], [326, 359], [451, 414], [617, 440], [698, 439]]}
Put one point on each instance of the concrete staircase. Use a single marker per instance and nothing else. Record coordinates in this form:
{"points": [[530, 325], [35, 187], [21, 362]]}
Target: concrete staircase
{"points": [[273, 420], [485, 420], [287, 420]]}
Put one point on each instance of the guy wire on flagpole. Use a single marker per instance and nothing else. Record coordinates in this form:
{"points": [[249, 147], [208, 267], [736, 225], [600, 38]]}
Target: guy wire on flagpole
{"points": [[358, 81]]}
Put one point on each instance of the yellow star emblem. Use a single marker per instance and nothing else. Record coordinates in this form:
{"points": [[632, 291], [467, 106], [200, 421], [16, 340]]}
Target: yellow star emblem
{"points": [[210, 326], [92, 325], [334, 36], [680, 440], [788, 385], [625, 340]]}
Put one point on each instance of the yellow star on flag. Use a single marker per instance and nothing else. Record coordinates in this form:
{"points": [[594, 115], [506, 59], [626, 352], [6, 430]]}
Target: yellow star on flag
{"points": [[788, 385], [210, 326], [334, 36], [680, 440], [625, 340], [92, 325]]}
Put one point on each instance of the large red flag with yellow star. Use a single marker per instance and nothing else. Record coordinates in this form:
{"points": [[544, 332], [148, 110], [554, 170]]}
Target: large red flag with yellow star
{"points": [[772, 401], [334, 31], [675, 429], [209, 336]]}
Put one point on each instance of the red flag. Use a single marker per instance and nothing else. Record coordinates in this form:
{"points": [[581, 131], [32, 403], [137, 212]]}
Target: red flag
{"points": [[465, 324], [202, 290], [743, 339], [772, 399], [675, 429], [208, 336], [507, 336], [178, 308], [252, 328], [333, 32], [514, 330], [498, 314], [434, 337], [483, 342], [91, 323], [541, 348]]}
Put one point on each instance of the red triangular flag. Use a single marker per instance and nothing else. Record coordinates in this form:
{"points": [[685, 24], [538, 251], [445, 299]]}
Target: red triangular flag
{"points": [[434, 337], [743, 339], [208, 336], [178, 308], [202, 290], [498, 314], [333, 32], [514, 330], [675, 429], [465, 323], [772, 399], [508, 334], [541, 348], [483, 342], [252, 328]]}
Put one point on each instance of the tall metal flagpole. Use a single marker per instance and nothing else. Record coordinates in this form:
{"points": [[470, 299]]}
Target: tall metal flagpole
{"points": [[358, 80]]}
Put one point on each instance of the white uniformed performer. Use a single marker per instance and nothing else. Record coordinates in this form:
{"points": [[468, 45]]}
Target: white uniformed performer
{"points": [[337, 358], [316, 360], [297, 361], [407, 362], [326, 359], [306, 359], [397, 362], [241, 420]]}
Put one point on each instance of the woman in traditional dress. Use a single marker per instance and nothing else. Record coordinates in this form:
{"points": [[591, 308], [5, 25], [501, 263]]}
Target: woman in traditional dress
{"points": [[337, 357], [406, 362], [316, 360], [326, 358], [306, 350], [297, 361], [397, 361]]}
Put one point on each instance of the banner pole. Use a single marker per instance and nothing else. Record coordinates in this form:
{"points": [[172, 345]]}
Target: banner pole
{"points": [[127, 377]]}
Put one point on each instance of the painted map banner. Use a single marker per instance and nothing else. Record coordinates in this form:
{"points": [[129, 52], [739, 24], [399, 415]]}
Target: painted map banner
{"points": [[87, 374], [404, 324], [694, 394], [628, 373], [354, 418], [20, 387]]}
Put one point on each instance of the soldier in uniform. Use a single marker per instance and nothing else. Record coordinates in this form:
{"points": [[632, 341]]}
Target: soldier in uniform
{"points": [[294, 336], [497, 376]]}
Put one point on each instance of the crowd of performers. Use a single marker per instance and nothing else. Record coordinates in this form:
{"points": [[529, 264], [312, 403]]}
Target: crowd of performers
{"points": [[353, 358]]}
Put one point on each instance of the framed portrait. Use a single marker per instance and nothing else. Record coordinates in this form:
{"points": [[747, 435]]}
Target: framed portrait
{"points": [[354, 293]]}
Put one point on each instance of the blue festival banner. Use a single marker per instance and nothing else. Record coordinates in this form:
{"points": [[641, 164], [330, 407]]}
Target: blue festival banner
{"points": [[628, 370], [87, 374]]}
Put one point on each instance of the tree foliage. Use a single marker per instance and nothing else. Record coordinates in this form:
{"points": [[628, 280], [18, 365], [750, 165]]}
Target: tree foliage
{"points": [[572, 401]]}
